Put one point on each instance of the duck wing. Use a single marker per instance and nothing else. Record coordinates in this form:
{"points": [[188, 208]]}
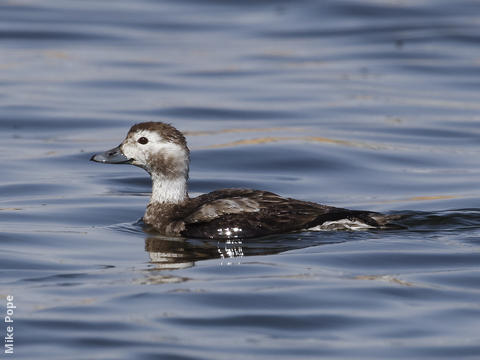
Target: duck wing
{"points": [[245, 213]]}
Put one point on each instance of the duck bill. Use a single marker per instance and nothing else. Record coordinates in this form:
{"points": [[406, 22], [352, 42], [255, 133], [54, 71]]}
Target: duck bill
{"points": [[113, 156]]}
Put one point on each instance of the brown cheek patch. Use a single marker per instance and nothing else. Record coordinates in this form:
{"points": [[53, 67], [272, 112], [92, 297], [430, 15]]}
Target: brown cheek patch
{"points": [[162, 164]]}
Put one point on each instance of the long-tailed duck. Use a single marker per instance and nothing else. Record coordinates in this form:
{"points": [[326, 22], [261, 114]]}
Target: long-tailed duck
{"points": [[162, 151]]}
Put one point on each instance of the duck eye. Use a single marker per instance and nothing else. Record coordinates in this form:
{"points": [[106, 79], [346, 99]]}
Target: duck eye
{"points": [[143, 140]]}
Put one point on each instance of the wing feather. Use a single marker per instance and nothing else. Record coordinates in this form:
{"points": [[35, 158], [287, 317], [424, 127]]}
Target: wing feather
{"points": [[250, 212]]}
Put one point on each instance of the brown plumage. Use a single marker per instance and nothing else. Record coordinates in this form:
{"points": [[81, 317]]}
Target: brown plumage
{"points": [[222, 214]]}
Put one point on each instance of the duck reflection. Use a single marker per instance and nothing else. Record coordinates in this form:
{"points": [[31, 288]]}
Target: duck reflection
{"points": [[177, 253], [170, 253], [174, 253]]}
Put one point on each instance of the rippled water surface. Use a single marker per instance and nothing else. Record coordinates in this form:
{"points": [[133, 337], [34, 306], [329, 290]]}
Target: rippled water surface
{"points": [[366, 104]]}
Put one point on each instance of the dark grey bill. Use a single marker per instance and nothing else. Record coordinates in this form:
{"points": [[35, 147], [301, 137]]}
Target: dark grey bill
{"points": [[113, 156]]}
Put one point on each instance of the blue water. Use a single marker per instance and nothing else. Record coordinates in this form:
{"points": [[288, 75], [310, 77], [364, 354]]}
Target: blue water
{"points": [[370, 104]]}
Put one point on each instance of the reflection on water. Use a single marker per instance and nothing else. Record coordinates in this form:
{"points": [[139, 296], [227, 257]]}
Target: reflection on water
{"points": [[266, 140], [178, 253], [183, 253], [171, 254]]}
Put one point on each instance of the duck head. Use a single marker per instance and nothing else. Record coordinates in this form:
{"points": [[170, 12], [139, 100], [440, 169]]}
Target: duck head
{"points": [[162, 151]]}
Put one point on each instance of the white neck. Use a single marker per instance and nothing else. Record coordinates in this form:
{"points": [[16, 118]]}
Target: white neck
{"points": [[169, 191]]}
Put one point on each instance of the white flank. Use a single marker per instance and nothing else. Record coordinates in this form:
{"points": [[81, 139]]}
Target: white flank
{"points": [[344, 224]]}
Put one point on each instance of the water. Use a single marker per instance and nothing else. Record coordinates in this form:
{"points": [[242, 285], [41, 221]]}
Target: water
{"points": [[367, 104]]}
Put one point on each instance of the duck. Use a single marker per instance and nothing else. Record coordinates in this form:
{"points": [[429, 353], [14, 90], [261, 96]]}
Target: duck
{"points": [[161, 150]]}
